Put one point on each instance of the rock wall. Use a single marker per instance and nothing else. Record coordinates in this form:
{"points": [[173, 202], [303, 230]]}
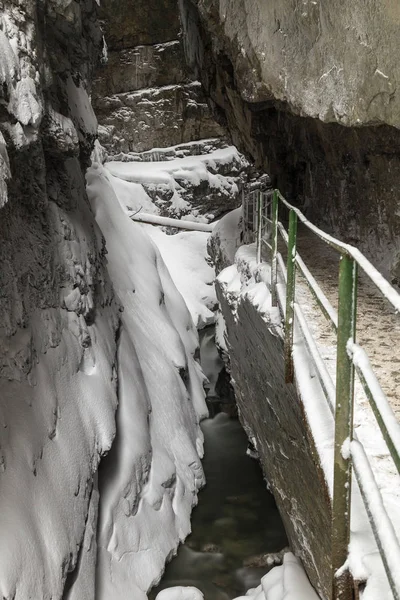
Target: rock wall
{"points": [[310, 91], [58, 317], [144, 95], [67, 356]]}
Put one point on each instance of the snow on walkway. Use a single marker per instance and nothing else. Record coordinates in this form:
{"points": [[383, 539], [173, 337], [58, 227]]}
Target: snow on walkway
{"points": [[378, 332]]}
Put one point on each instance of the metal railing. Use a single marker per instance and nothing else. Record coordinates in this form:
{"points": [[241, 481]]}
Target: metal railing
{"points": [[349, 454]]}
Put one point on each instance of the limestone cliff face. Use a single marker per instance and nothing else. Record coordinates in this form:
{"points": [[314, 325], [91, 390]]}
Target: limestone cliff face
{"points": [[58, 319], [310, 90], [144, 95]]}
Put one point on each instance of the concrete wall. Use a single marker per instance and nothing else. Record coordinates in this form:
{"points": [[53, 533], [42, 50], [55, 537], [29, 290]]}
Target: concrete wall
{"points": [[273, 413]]}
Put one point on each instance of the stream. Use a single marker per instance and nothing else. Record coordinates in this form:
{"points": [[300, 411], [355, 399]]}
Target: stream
{"points": [[236, 522]]}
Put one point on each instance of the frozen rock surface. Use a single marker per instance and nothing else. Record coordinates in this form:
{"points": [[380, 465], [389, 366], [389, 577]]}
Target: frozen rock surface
{"points": [[145, 95], [197, 181]]}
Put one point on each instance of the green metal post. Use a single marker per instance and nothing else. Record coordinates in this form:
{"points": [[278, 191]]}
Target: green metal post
{"points": [[274, 244], [259, 225], [347, 313], [290, 293]]}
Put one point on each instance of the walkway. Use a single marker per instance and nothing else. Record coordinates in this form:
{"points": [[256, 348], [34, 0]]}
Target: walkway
{"points": [[378, 328]]}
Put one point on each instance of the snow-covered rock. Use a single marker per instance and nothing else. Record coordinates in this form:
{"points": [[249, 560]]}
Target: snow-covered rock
{"points": [[58, 315], [201, 185], [150, 479], [286, 582]]}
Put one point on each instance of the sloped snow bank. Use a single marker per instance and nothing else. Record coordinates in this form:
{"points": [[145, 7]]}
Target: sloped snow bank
{"points": [[286, 582], [184, 253], [57, 418], [153, 472]]}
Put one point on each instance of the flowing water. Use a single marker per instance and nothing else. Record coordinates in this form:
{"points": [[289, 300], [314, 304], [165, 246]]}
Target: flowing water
{"points": [[236, 522]]}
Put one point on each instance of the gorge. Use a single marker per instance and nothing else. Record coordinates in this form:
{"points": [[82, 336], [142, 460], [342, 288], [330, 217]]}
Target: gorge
{"points": [[175, 108]]}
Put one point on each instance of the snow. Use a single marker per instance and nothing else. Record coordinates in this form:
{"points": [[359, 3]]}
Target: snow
{"points": [[57, 419], [9, 65], [184, 255], [226, 238], [25, 104], [190, 170], [154, 471], [286, 582], [132, 196], [80, 107], [180, 593]]}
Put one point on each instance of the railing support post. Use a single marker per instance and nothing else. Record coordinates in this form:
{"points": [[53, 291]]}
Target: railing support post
{"points": [[274, 244], [290, 294], [341, 584], [259, 224]]}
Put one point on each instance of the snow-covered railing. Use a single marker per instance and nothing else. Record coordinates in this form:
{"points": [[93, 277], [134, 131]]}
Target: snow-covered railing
{"points": [[349, 454]]}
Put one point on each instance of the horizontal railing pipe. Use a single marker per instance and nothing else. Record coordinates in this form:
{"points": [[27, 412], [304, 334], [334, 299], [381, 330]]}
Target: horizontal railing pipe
{"points": [[382, 410], [372, 272], [349, 453], [382, 527]]}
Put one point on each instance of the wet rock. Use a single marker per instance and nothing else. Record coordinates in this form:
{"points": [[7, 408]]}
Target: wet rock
{"points": [[266, 561], [130, 24], [212, 548]]}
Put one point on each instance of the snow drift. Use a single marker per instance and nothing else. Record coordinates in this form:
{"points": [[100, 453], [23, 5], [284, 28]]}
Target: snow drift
{"points": [[151, 477]]}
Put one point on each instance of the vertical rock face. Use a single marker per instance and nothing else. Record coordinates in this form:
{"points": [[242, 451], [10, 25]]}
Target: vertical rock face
{"points": [[62, 341], [310, 91], [57, 314], [139, 23], [145, 96]]}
